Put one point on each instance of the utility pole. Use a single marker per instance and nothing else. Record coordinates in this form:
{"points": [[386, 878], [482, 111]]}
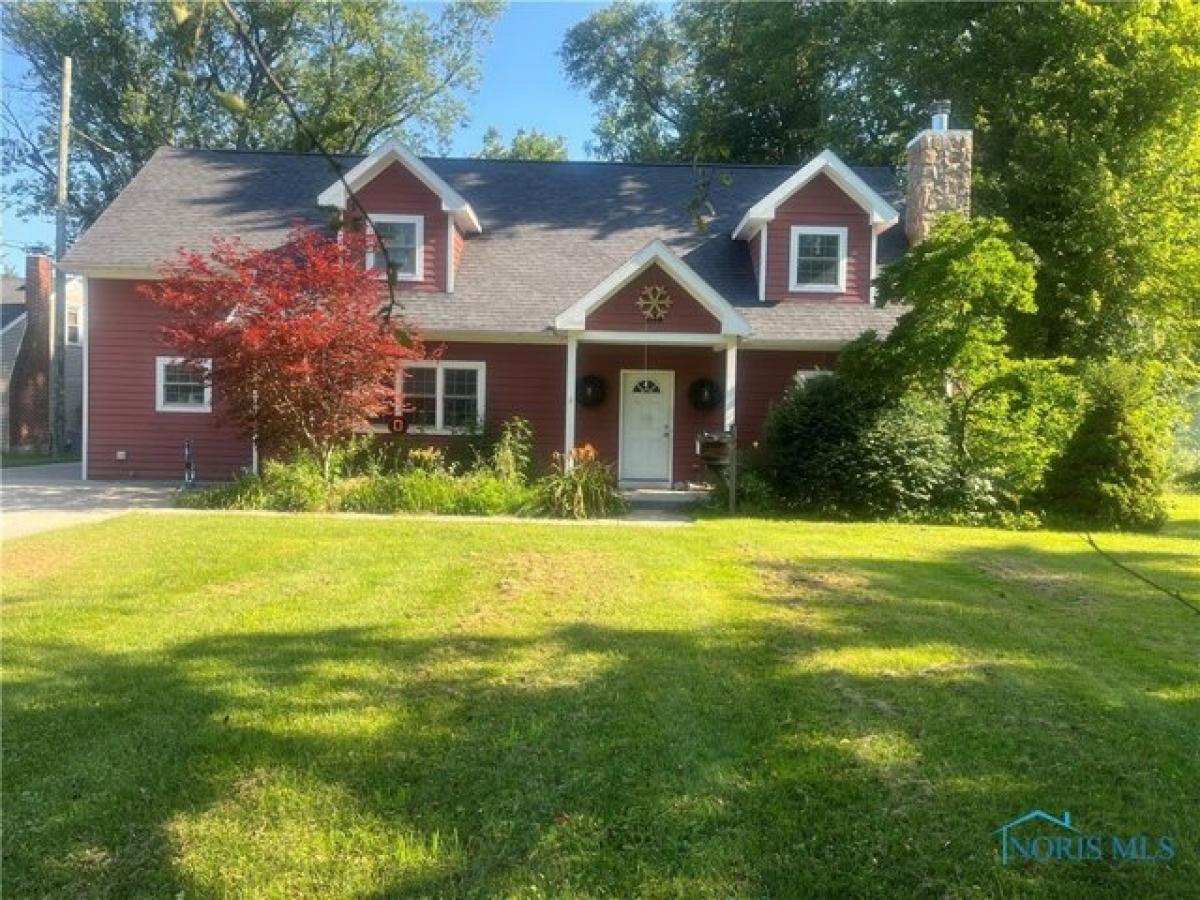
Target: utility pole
{"points": [[58, 314]]}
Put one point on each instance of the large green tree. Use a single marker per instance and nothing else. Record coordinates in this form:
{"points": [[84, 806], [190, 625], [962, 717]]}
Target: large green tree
{"points": [[1086, 115], [532, 144], [148, 74]]}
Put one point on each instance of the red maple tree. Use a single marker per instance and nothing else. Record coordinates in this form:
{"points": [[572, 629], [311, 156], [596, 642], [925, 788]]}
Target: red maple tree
{"points": [[301, 352]]}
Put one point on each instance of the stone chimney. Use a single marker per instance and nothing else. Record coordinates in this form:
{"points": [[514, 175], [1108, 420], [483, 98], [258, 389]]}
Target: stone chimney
{"points": [[939, 174], [29, 385]]}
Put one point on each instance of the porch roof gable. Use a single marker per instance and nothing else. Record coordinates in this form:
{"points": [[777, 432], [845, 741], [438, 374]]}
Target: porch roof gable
{"points": [[574, 317]]}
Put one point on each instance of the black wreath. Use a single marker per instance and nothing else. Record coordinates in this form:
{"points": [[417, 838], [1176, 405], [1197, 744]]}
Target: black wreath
{"points": [[704, 393], [590, 390]]}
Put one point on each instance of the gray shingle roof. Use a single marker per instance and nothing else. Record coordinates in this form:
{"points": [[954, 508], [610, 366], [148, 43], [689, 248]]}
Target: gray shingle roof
{"points": [[551, 231]]}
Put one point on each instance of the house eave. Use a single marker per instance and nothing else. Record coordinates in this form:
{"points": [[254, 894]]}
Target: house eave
{"points": [[395, 152], [882, 214]]}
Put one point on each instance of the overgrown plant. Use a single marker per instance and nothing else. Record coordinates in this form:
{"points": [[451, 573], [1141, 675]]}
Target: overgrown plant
{"points": [[580, 486], [512, 456]]}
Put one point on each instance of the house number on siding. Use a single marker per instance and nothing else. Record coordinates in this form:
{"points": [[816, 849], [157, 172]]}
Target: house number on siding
{"points": [[654, 301]]}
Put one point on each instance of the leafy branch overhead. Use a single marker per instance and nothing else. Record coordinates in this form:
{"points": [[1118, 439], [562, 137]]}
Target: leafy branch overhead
{"points": [[150, 74], [532, 144], [1086, 119]]}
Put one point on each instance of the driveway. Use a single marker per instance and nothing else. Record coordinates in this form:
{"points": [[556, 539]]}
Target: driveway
{"points": [[43, 498]]}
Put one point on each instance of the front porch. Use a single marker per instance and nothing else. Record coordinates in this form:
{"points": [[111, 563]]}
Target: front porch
{"points": [[640, 402], [651, 362]]}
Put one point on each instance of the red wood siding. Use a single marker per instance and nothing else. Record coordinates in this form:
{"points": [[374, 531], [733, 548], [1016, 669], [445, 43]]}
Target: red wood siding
{"points": [[763, 377], [755, 248], [527, 380], [820, 202], [620, 312], [600, 425], [396, 190], [123, 339]]}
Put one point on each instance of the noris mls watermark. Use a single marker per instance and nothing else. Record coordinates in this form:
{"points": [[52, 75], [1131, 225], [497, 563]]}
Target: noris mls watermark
{"points": [[1057, 840]]}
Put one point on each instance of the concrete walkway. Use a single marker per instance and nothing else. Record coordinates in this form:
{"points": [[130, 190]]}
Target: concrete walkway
{"points": [[42, 498]]}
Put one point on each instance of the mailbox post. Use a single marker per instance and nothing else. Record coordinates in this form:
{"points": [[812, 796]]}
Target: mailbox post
{"points": [[719, 450]]}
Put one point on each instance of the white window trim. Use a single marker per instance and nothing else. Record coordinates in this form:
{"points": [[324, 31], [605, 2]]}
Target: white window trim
{"points": [[160, 372], [375, 260], [439, 426], [843, 235], [78, 342]]}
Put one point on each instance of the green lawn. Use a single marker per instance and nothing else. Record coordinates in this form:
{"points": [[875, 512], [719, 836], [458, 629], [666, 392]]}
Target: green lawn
{"points": [[16, 458], [208, 706]]}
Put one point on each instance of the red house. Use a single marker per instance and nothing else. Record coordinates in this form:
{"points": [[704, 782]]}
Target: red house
{"points": [[588, 298]]}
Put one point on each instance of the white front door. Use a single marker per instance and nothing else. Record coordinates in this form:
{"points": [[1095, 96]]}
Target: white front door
{"points": [[647, 425]]}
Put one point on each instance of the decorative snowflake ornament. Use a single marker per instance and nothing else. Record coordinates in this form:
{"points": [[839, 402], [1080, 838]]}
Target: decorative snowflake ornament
{"points": [[654, 301]]}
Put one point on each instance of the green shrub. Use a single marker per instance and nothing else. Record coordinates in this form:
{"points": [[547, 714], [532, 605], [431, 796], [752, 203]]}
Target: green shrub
{"points": [[244, 493], [424, 491], [1185, 449], [374, 476], [755, 495], [1113, 471], [833, 448], [807, 441], [1017, 426], [902, 460], [580, 486], [296, 485]]}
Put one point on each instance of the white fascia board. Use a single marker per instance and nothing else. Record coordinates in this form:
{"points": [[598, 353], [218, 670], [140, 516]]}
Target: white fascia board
{"points": [[574, 317], [118, 273], [493, 337], [881, 212], [388, 153], [653, 339], [794, 344]]}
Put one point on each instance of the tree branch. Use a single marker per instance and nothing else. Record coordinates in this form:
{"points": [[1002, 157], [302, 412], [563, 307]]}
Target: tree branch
{"points": [[319, 145], [1173, 594]]}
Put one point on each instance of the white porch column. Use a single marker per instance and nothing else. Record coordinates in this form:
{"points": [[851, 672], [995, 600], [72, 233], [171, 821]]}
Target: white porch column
{"points": [[731, 349], [572, 360]]}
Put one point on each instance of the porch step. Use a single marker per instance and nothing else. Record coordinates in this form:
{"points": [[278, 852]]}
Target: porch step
{"points": [[663, 503]]}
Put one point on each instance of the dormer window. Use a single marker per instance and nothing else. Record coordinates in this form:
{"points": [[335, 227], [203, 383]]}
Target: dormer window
{"points": [[818, 259], [404, 238]]}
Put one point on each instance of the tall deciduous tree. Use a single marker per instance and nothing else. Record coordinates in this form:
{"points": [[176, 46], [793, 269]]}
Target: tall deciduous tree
{"points": [[1087, 122], [299, 354], [148, 74], [969, 288], [532, 144]]}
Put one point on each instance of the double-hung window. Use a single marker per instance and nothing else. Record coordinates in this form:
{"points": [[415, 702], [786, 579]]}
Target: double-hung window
{"points": [[404, 239], [445, 396], [818, 259], [74, 326], [179, 387]]}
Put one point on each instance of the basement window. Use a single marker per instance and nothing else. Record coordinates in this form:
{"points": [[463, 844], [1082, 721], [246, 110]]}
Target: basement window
{"points": [[179, 387], [818, 259], [444, 397]]}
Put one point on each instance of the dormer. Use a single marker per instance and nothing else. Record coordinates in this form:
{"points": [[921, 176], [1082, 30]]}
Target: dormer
{"points": [[421, 219], [814, 237]]}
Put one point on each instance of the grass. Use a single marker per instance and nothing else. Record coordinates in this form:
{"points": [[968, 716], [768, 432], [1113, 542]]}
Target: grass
{"points": [[211, 706], [13, 459]]}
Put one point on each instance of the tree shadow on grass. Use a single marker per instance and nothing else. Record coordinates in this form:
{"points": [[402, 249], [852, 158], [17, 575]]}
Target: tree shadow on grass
{"points": [[861, 735]]}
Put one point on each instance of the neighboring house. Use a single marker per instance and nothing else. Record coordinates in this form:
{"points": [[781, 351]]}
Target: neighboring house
{"points": [[25, 323], [581, 296]]}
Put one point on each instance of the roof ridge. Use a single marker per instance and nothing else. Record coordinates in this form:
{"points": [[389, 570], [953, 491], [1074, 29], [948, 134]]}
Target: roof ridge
{"points": [[660, 164]]}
